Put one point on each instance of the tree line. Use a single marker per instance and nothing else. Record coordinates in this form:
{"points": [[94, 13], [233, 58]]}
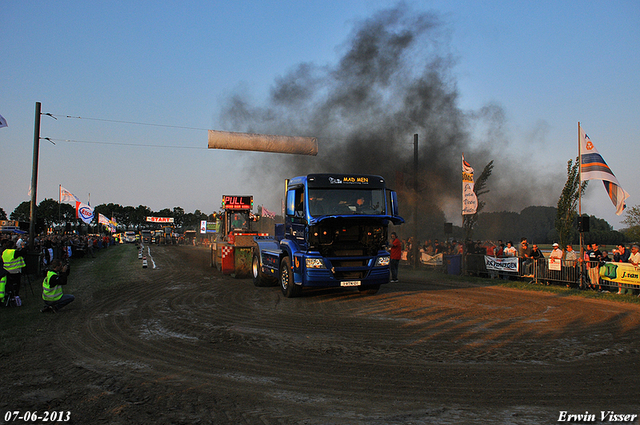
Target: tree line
{"points": [[538, 225], [50, 213]]}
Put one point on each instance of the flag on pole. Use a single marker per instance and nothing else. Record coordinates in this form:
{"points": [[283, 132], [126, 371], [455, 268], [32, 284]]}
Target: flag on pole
{"points": [[113, 225], [469, 198], [102, 219], [593, 167], [3, 122], [84, 212], [68, 197], [268, 214]]}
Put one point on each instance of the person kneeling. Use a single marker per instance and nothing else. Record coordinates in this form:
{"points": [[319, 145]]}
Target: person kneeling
{"points": [[52, 284]]}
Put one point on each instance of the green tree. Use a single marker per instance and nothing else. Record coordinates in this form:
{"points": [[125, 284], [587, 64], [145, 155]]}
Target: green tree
{"points": [[140, 215], [632, 220], [479, 188], [3, 215], [568, 202], [48, 213], [178, 216], [22, 212], [128, 216]]}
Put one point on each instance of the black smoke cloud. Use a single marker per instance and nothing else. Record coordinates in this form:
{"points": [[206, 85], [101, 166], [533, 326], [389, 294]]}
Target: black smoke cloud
{"points": [[395, 79]]}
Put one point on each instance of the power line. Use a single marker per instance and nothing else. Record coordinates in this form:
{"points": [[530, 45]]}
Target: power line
{"points": [[127, 122], [122, 144]]}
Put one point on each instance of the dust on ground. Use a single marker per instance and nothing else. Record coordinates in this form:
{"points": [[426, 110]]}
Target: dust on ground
{"points": [[182, 344]]}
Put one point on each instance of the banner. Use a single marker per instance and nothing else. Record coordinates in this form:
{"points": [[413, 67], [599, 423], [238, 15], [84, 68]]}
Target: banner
{"points": [[593, 167], [469, 198], [555, 264], [103, 220], [67, 197], [625, 273], [84, 212], [431, 260], [160, 219], [507, 264]]}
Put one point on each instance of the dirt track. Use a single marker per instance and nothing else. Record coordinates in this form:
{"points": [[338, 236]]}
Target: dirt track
{"points": [[182, 344]]}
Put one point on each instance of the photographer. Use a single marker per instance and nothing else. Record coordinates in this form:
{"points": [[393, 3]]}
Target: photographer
{"points": [[52, 295]]}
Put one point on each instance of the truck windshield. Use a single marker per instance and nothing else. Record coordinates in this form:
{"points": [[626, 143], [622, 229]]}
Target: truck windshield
{"points": [[346, 201]]}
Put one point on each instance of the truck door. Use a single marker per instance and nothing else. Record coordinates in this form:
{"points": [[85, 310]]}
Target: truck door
{"points": [[295, 221]]}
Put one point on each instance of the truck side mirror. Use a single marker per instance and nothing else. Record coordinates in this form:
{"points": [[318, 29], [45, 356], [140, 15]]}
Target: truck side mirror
{"points": [[393, 201]]}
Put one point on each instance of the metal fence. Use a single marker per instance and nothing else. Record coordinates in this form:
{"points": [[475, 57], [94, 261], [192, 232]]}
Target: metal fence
{"points": [[574, 274]]}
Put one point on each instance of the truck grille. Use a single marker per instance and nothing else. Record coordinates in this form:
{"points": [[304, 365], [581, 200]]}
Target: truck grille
{"points": [[348, 253], [349, 263]]}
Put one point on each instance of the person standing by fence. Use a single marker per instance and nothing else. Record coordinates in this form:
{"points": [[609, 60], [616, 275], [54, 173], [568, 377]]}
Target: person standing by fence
{"points": [[595, 255], [555, 264]]}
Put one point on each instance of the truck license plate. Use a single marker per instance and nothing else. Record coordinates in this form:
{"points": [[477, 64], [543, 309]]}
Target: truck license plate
{"points": [[350, 283]]}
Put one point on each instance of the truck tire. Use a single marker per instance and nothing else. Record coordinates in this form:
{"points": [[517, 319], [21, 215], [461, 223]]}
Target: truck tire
{"points": [[289, 289], [259, 277], [369, 289]]}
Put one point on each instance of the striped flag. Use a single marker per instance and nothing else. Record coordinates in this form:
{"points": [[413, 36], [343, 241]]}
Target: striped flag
{"points": [[593, 167]]}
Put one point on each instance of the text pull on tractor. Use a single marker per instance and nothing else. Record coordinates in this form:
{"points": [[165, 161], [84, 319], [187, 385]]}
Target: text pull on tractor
{"points": [[334, 235]]}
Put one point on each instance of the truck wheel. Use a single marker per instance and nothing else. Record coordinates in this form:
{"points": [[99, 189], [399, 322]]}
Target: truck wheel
{"points": [[259, 278], [289, 289], [369, 289]]}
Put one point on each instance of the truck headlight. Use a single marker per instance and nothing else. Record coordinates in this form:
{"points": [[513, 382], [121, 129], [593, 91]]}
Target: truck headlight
{"points": [[315, 263], [383, 261]]}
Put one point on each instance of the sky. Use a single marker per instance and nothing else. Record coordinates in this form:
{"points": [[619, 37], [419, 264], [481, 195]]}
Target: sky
{"points": [[133, 86]]}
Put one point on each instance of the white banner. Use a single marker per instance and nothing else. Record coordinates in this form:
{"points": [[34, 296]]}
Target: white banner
{"points": [[508, 264], [469, 198], [431, 260], [555, 264]]}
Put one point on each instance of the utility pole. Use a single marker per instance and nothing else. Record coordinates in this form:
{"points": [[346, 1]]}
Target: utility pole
{"points": [[414, 245], [34, 177]]}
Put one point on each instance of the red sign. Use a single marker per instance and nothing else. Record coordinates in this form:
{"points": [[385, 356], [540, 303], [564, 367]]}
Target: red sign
{"points": [[160, 219], [237, 202]]}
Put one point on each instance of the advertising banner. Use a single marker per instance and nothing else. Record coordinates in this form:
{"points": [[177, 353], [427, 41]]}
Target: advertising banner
{"points": [[469, 198], [431, 260], [508, 264], [620, 273], [160, 219]]}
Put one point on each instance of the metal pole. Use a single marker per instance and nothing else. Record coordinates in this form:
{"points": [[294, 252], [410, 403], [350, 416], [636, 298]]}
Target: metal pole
{"points": [[581, 262], [414, 246], [34, 177]]}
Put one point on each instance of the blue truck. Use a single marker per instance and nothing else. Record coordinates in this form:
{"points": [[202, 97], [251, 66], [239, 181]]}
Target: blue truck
{"points": [[334, 235]]}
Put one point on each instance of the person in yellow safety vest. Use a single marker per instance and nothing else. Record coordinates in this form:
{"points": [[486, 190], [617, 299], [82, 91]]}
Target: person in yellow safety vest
{"points": [[52, 284], [13, 262], [3, 283]]}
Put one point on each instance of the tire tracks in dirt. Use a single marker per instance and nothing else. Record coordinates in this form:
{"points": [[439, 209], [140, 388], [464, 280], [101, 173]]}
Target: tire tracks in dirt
{"points": [[184, 340]]}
